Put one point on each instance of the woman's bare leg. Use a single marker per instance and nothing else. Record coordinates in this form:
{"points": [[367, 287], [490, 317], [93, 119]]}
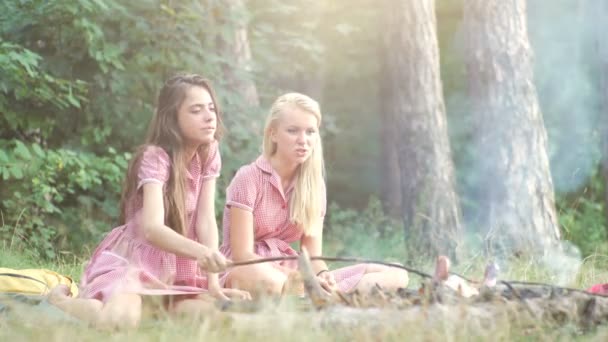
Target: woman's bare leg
{"points": [[258, 279], [123, 310], [87, 310], [389, 278], [195, 308]]}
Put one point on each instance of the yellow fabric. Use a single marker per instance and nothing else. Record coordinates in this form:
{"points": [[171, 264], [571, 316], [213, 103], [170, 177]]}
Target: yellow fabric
{"points": [[37, 281]]}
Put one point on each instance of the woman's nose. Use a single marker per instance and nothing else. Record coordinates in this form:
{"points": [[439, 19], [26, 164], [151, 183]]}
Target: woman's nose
{"points": [[208, 115], [301, 138]]}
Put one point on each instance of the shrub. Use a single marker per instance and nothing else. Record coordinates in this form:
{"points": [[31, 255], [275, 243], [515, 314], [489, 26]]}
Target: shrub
{"points": [[368, 233], [54, 200]]}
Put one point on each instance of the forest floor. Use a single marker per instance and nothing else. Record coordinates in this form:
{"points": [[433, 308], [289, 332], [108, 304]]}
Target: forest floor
{"points": [[296, 320]]}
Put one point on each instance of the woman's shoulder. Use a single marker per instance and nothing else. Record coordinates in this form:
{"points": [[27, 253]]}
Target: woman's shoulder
{"points": [[246, 171], [154, 151], [249, 172], [153, 163]]}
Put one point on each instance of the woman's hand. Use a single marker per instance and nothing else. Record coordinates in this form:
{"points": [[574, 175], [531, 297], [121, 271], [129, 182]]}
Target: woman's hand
{"points": [[212, 261], [228, 294], [327, 281]]}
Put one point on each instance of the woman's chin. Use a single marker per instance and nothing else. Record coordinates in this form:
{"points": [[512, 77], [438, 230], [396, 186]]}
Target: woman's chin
{"points": [[301, 159], [206, 140]]}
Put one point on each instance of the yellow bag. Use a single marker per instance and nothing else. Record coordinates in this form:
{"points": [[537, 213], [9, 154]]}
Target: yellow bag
{"points": [[36, 281]]}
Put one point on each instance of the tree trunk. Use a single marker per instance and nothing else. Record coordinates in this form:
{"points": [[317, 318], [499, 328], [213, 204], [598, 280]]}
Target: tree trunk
{"points": [[518, 207], [415, 107], [235, 50], [601, 26], [391, 174]]}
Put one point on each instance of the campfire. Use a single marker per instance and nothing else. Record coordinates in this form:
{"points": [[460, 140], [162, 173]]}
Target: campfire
{"points": [[444, 289]]}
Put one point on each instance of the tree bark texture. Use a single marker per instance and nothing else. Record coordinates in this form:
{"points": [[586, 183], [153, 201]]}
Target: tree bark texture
{"points": [[517, 205], [601, 27], [416, 112], [390, 182]]}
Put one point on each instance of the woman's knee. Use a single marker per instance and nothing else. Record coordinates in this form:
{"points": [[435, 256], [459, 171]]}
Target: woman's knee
{"points": [[375, 268], [257, 279], [270, 283], [402, 276], [121, 312]]}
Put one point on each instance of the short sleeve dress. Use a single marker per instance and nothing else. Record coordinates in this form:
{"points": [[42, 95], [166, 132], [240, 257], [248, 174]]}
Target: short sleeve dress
{"points": [[256, 188], [125, 262]]}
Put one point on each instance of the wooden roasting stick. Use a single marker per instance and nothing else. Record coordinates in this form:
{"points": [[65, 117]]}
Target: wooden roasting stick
{"points": [[319, 297]]}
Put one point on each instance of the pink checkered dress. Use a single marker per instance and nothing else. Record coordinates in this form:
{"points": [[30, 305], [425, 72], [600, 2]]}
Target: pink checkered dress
{"points": [[126, 262], [257, 188]]}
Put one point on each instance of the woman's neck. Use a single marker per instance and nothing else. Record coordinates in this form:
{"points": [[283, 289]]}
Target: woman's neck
{"points": [[189, 152], [286, 171]]}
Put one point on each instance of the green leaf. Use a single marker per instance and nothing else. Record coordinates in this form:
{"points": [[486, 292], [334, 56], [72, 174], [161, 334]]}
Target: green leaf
{"points": [[3, 157], [22, 151], [101, 4], [71, 99], [39, 152], [17, 172]]}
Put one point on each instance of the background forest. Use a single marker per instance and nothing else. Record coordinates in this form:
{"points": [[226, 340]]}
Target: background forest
{"points": [[78, 81]]}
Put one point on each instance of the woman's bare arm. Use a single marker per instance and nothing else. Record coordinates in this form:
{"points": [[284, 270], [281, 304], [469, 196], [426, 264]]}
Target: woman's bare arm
{"points": [[157, 233], [314, 246], [206, 227], [241, 234]]}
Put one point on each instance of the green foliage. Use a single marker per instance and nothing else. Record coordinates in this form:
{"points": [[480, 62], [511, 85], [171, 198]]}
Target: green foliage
{"points": [[80, 76], [368, 233], [582, 218], [26, 88], [53, 200], [76, 98], [116, 55], [69, 265]]}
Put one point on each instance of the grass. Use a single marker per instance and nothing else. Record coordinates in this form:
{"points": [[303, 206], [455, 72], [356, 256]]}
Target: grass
{"points": [[292, 322], [68, 265]]}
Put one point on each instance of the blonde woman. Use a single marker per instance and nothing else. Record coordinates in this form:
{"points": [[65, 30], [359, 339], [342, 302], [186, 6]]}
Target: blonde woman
{"points": [[280, 199]]}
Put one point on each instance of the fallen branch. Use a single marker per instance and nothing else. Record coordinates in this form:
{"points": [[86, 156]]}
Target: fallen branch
{"points": [[331, 259]]}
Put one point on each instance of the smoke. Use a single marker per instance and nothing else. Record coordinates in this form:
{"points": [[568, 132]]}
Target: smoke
{"points": [[562, 263], [563, 38], [562, 34]]}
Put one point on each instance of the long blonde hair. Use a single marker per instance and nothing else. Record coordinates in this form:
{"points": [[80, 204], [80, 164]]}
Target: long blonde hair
{"points": [[164, 132], [306, 202]]}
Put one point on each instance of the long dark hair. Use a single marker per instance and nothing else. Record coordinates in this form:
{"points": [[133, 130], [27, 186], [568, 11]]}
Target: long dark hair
{"points": [[164, 132]]}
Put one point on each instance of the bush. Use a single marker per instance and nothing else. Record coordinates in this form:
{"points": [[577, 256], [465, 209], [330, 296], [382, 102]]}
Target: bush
{"points": [[582, 218], [367, 234], [54, 200]]}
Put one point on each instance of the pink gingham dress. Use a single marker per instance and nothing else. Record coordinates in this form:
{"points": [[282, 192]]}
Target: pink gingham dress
{"points": [[256, 188], [126, 262]]}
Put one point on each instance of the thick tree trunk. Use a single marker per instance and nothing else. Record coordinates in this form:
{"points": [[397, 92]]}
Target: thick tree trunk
{"points": [[598, 14], [518, 207], [415, 107], [601, 27]]}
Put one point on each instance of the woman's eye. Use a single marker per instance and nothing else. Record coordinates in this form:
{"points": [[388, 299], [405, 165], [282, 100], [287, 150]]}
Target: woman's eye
{"points": [[310, 132], [291, 130]]}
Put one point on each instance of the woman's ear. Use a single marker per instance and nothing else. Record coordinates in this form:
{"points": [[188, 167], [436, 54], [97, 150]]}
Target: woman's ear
{"points": [[273, 135]]}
